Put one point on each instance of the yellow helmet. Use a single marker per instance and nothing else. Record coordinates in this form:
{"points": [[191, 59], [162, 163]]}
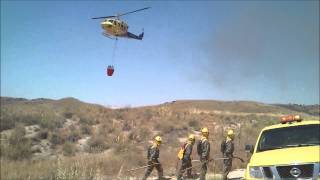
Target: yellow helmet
{"points": [[204, 130], [158, 139], [230, 133], [191, 137]]}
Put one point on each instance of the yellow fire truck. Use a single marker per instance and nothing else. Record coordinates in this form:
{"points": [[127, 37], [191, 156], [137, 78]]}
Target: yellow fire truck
{"points": [[288, 150]]}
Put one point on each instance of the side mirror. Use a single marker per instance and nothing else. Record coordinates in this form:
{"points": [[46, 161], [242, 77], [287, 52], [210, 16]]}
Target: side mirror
{"points": [[249, 148]]}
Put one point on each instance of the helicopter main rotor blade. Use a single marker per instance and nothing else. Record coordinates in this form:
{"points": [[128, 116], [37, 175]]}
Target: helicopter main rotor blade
{"points": [[133, 11], [103, 17]]}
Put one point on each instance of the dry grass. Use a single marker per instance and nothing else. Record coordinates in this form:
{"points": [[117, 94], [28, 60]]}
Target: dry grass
{"points": [[79, 167], [28, 169]]}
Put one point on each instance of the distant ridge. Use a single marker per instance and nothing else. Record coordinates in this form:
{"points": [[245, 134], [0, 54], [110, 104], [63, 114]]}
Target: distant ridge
{"points": [[308, 109], [208, 105]]}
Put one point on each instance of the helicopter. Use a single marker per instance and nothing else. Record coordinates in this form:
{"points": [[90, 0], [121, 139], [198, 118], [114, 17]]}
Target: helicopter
{"points": [[114, 27]]}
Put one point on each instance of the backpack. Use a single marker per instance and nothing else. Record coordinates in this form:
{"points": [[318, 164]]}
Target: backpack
{"points": [[181, 151], [223, 146], [199, 147]]}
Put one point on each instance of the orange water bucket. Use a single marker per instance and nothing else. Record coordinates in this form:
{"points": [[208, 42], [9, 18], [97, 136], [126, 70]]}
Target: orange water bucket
{"points": [[110, 70]]}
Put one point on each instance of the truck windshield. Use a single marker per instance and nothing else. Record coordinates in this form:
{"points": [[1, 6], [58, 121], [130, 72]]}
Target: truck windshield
{"points": [[296, 136]]}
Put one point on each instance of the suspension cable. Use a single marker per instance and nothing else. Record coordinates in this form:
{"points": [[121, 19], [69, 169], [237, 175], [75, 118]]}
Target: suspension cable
{"points": [[114, 51]]}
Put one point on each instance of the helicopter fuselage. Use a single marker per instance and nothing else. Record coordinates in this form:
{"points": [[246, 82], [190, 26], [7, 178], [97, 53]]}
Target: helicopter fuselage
{"points": [[114, 27]]}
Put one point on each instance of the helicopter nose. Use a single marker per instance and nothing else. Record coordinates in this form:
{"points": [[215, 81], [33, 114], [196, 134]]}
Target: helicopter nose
{"points": [[106, 24]]}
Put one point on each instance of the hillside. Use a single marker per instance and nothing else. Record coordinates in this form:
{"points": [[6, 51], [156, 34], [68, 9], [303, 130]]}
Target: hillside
{"points": [[313, 110], [67, 134], [46, 112]]}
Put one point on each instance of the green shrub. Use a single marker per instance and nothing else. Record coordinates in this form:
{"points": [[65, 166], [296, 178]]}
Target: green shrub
{"points": [[56, 138], [85, 120], [122, 148], [148, 114], [73, 134], [144, 133], [118, 114], [96, 141], [5, 121], [126, 126], [18, 147], [68, 115], [30, 119], [17, 135], [165, 127], [51, 123], [106, 128], [43, 134], [96, 144], [20, 151], [86, 129], [68, 149], [195, 124]]}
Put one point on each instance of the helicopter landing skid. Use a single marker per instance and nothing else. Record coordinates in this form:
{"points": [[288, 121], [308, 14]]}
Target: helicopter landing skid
{"points": [[106, 35]]}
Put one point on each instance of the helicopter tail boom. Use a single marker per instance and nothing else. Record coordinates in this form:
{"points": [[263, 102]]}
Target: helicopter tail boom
{"points": [[133, 36]]}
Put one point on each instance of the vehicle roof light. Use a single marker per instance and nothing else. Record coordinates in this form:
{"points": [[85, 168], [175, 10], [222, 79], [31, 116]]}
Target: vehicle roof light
{"points": [[290, 118]]}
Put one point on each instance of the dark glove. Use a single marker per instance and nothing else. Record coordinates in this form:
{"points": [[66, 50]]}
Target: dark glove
{"points": [[186, 159], [154, 161], [203, 158]]}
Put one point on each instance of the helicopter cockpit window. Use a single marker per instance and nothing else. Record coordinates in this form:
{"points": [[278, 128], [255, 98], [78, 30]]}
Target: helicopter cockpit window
{"points": [[111, 21]]}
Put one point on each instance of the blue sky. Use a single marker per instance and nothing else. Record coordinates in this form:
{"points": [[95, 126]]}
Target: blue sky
{"points": [[223, 50]]}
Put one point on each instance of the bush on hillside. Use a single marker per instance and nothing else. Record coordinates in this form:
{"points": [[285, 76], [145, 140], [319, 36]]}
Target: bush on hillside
{"points": [[56, 138], [73, 134], [148, 114], [86, 120], [42, 134], [122, 148], [69, 149], [194, 124], [126, 126], [68, 115], [51, 123], [165, 127], [5, 121], [96, 144], [18, 151], [17, 135], [169, 125], [118, 114], [8, 120], [86, 129], [18, 146], [107, 128], [144, 133]]}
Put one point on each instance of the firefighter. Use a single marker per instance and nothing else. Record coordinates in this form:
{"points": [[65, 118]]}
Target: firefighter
{"points": [[227, 150], [153, 162], [203, 149], [186, 157]]}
